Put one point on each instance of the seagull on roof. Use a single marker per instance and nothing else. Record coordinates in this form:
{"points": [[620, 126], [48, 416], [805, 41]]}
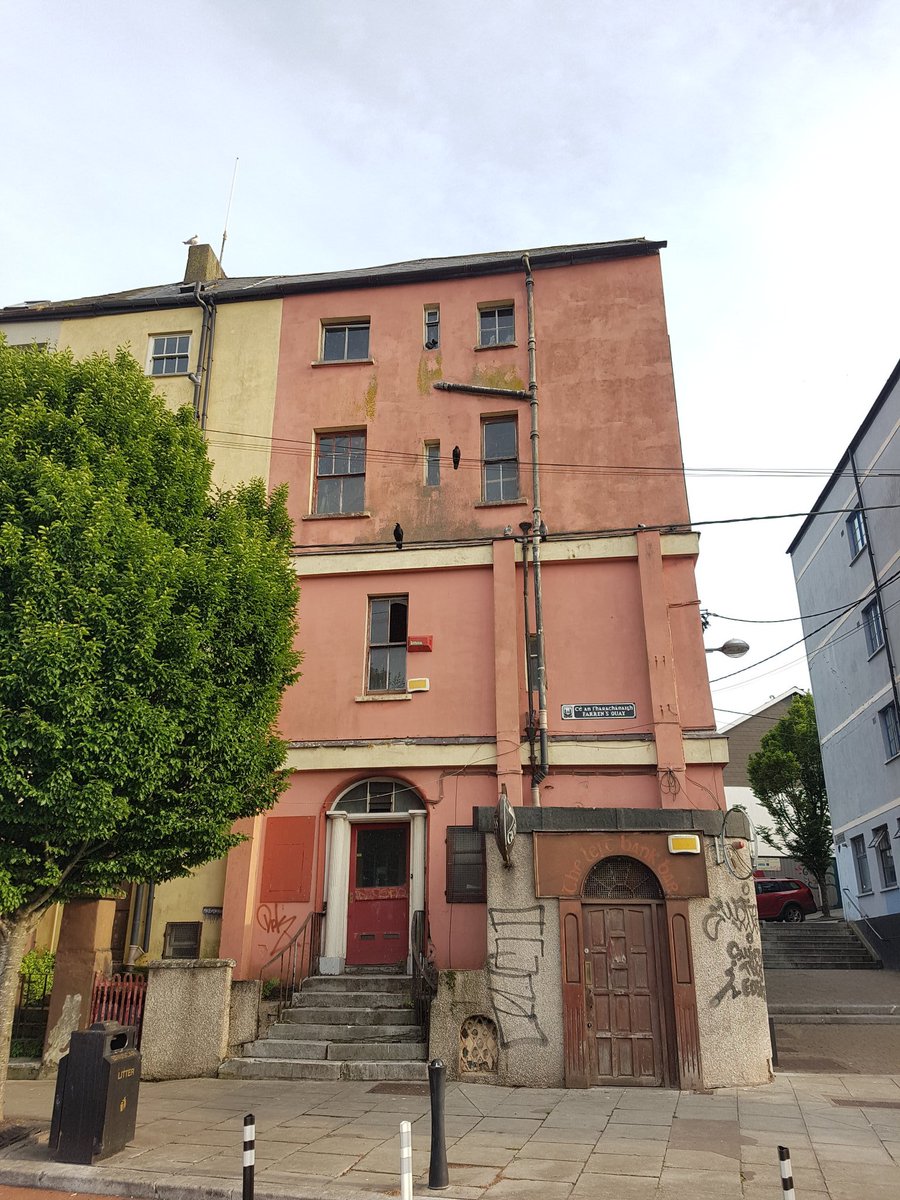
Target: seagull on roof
{"points": [[191, 241]]}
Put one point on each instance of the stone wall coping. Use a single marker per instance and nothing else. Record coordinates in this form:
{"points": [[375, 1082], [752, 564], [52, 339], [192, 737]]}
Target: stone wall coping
{"points": [[618, 820], [188, 964]]}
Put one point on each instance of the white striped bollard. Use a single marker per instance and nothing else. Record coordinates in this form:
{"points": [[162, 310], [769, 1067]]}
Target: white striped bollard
{"points": [[406, 1178], [787, 1175], [249, 1154]]}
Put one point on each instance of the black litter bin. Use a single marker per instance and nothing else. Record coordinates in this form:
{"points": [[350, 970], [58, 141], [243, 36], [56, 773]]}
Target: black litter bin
{"points": [[95, 1105]]}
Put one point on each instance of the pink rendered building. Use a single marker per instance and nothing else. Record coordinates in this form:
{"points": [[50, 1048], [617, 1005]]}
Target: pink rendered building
{"points": [[618, 942]]}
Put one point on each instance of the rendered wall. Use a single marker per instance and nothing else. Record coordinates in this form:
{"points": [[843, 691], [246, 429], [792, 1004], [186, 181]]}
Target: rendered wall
{"points": [[731, 994], [520, 985], [186, 1014]]}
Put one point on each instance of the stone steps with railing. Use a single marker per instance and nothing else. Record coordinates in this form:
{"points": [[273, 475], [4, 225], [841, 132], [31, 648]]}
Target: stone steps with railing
{"points": [[814, 945], [340, 1027]]}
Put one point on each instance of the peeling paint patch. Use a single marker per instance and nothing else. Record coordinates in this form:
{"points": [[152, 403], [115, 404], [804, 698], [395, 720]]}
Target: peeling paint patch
{"points": [[430, 370], [369, 398], [500, 377]]}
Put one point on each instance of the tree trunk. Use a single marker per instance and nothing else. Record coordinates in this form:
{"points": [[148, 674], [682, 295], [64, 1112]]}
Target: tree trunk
{"points": [[822, 884], [14, 931]]}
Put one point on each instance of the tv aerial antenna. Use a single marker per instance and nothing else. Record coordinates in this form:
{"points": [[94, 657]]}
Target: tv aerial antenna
{"points": [[228, 211]]}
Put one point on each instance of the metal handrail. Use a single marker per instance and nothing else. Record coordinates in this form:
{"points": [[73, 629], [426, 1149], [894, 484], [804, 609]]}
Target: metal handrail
{"points": [[862, 914], [302, 955], [424, 972]]}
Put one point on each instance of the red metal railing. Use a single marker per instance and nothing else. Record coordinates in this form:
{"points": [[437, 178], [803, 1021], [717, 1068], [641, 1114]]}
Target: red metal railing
{"points": [[119, 998]]}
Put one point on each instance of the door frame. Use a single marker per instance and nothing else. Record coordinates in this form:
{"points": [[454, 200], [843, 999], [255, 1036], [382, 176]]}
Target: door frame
{"points": [[678, 1001], [337, 878], [662, 996]]}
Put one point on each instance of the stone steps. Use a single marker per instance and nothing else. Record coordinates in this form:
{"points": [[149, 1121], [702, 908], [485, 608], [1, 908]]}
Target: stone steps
{"points": [[356, 1027], [814, 946]]}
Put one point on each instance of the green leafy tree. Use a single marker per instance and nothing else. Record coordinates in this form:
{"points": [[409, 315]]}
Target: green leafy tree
{"points": [[147, 626], [787, 778]]}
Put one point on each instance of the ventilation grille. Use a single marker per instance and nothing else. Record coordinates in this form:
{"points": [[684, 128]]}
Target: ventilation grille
{"points": [[621, 878], [478, 1046]]}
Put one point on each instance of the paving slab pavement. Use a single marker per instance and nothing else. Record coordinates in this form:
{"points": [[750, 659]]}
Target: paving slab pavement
{"points": [[340, 1141]]}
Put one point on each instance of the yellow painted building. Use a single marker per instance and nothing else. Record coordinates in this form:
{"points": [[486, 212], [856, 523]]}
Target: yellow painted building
{"points": [[224, 364]]}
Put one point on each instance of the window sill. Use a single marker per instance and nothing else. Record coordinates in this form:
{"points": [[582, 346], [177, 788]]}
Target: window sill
{"points": [[519, 500], [857, 554], [171, 375], [874, 652], [343, 362], [860, 895], [893, 758], [383, 699], [497, 346], [892, 887], [336, 516]]}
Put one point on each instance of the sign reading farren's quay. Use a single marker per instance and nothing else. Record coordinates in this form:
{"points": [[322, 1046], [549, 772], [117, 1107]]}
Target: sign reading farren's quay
{"points": [[598, 712]]}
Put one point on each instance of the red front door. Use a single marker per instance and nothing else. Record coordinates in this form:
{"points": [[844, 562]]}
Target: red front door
{"points": [[378, 905]]}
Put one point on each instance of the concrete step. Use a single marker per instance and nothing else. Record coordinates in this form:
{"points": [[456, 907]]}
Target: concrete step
{"points": [[296, 1031], [322, 998], [291, 1048], [356, 983], [377, 1052], [349, 1016], [836, 1009], [274, 1068], [834, 1019], [824, 964]]}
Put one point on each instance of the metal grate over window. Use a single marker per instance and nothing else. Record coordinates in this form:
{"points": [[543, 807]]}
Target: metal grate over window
{"points": [[621, 878]]}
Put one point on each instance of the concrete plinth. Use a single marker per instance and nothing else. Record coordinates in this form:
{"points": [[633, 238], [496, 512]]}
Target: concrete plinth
{"points": [[186, 1017]]}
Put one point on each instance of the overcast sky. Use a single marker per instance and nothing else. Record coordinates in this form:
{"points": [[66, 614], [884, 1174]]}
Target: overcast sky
{"points": [[758, 138]]}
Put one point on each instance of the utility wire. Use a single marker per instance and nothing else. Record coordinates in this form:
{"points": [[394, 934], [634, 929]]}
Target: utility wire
{"points": [[303, 447], [805, 638], [803, 617]]}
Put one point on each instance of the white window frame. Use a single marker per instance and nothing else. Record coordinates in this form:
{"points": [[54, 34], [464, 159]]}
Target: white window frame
{"points": [[496, 307], [856, 533], [874, 628], [321, 435], [500, 419], [433, 458], [163, 356], [431, 325], [863, 886], [890, 730], [884, 854], [391, 647]]}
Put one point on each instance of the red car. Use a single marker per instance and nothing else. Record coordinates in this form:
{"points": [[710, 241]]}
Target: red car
{"points": [[783, 900]]}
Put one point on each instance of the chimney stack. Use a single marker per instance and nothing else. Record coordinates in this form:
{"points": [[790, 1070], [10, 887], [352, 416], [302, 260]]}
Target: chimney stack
{"points": [[202, 265]]}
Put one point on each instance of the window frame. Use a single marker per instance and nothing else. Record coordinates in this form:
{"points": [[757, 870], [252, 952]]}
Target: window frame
{"points": [[432, 461], [890, 731], [499, 419], [431, 321], [856, 533], [391, 647], [884, 855], [346, 324], [169, 936], [861, 857], [495, 307], [453, 892], [320, 437], [873, 627], [164, 355]]}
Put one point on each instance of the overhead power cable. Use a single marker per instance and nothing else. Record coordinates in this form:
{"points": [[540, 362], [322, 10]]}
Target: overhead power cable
{"points": [[803, 617]]}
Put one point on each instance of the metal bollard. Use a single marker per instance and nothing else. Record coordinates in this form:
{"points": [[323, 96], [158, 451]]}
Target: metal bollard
{"points": [[249, 1154], [406, 1178], [787, 1175], [438, 1178]]}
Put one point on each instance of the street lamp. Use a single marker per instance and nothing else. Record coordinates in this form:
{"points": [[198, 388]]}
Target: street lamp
{"points": [[733, 648]]}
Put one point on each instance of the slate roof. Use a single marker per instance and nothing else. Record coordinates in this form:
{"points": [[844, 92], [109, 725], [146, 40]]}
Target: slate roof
{"points": [[259, 287]]}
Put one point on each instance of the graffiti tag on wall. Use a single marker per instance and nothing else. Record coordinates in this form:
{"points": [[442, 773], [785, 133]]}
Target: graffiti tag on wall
{"points": [[277, 925], [514, 961], [737, 917]]}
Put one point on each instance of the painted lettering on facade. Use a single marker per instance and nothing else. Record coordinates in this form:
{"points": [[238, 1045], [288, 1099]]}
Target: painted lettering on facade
{"points": [[515, 954]]}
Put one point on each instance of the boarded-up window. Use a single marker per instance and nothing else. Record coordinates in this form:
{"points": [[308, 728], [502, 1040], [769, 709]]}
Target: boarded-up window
{"points": [[466, 866], [287, 860]]}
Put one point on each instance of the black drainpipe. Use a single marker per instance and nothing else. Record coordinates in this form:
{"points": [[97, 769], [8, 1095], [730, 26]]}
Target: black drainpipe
{"points": [[542, 770], [207, 377]]}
